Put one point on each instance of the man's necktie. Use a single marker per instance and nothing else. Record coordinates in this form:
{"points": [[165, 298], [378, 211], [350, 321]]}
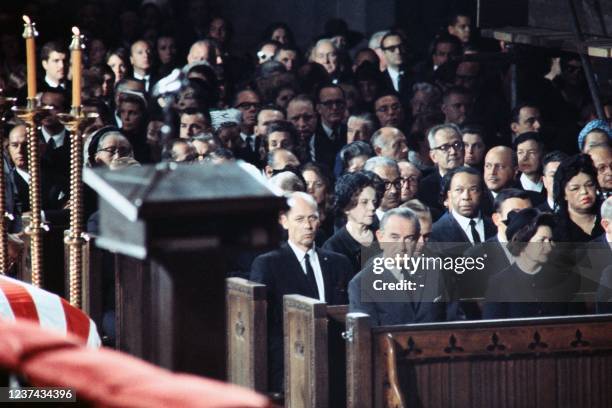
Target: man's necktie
{"points": [[310, 276], [51, 144], [475, 235]]}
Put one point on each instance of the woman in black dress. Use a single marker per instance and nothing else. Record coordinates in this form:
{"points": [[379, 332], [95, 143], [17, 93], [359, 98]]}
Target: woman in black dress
{"points": [[531, 286], [575, 194], [357, 197]]}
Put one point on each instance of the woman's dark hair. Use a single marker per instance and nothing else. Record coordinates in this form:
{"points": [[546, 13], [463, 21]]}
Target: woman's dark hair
{"points": [[279, 126], [570, 167], [275, 26], [521, 238], [121, 53], [325, 175], [354, 149], [350, 185]]}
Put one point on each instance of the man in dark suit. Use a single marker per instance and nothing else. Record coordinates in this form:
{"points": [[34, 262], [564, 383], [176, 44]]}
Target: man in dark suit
{"points": [[398, 235], [396, 75], [298, 268], [55, 152], [330, 135], [529, 150], [141, 59], [473, 284], [53, 56], [446, 150], [462, 227], [463, 223], [550, 164], [601, 251]]}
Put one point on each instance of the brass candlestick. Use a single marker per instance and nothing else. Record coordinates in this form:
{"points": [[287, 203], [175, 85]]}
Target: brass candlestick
{"points": [[29, 115], [5, 104], [74, 122]]}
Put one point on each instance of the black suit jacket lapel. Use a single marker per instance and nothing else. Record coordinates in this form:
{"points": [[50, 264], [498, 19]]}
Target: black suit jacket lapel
{"points": [[294, 270], [459, 232]]}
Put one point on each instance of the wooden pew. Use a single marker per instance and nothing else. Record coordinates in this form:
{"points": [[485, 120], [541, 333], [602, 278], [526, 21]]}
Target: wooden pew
{"points": [[314, 353], [544, 362], [246, 314]]}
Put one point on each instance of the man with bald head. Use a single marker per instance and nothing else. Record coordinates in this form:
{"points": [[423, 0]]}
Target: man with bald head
{"points": [[300, 268], [500, 169], [202, 50], [602, 160], [390, 142]]}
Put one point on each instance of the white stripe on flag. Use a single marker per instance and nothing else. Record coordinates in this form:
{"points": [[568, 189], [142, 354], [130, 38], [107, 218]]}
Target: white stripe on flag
{"points": [[93, 339], [50, 310]]}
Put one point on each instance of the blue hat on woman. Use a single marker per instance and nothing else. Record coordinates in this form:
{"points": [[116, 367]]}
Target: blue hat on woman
{"points": [[596, 124]]}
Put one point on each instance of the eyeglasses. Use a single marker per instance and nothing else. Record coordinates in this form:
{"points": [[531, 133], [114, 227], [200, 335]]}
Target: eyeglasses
{"points": [[410, 180], [394, 48], [457, 146], [122, 151], [337, 102], [248, 105], [397, 183]]}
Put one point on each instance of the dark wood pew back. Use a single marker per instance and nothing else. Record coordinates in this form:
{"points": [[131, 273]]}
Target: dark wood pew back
{"points": [[540, 362], [247, 357], [314, 352]]}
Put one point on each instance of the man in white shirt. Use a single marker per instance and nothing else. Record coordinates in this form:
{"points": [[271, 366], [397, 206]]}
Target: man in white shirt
{"points": [[298, 267], [140, 58], [550, 164], [393, 47], [529, 149], [53, 59]]}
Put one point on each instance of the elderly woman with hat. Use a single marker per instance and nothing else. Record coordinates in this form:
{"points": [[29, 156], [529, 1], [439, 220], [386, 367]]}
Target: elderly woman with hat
{"points": [[597, 132], [531, 286]]}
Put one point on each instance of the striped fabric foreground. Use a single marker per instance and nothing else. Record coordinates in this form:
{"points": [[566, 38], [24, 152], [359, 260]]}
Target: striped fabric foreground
{"points": [[19, 300]]}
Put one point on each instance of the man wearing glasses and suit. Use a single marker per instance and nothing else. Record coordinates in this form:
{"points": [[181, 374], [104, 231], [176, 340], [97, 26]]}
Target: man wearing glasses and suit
{"points": [[447, 151]]}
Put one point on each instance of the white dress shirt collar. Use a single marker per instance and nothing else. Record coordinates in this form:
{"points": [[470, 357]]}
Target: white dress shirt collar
{"points": [[24, 174], [328, 131], [394, 74], [504, 244], [54, 84], [314, 262], [530, 185], [58, 138], [464, 223]]}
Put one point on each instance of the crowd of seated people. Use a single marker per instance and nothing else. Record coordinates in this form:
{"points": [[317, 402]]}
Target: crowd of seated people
{"points": [[371, 145]]}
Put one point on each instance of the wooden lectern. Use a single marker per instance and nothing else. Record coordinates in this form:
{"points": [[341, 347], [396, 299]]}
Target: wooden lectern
{"points": [[178, 231]]}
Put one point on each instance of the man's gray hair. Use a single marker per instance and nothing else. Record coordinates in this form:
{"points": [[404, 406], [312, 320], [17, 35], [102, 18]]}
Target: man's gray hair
{"points": [[606, 209], [377, 139], [376, 162], [376, 38], [288, 182], [447, 126], [367, 117], [320, 43], [403, 212], [304, 196]]}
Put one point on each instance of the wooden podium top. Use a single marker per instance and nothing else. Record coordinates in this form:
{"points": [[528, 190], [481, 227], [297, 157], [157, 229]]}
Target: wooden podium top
{"points": [[544, 37]]}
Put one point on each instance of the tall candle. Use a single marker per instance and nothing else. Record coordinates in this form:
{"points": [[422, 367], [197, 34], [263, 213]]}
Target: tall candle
{"points": [[76, 48], [29, 33]]}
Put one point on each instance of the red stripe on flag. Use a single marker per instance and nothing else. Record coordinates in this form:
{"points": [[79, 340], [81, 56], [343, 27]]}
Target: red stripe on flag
{"points": [[20, 300], [77, 322]]}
